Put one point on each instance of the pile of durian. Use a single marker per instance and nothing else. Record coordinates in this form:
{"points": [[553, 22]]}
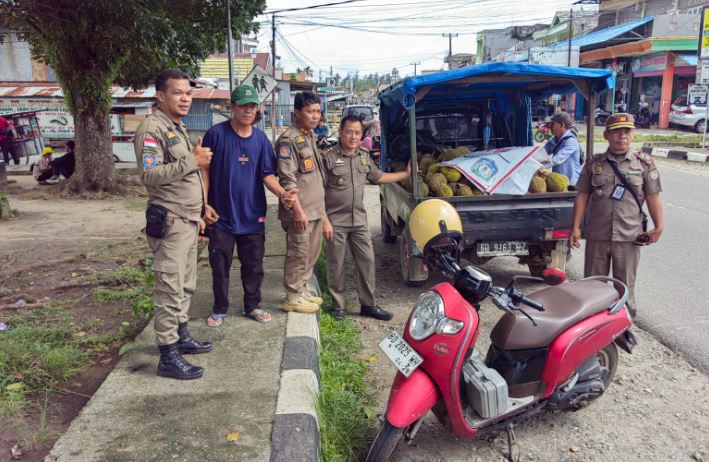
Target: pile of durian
{"points": [[440, 181]]}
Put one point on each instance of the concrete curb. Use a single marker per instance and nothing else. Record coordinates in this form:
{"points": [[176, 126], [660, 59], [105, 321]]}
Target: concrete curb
{"points": [[678, 154], [296, 435]]}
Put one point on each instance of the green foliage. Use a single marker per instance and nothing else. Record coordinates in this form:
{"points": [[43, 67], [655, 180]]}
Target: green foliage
{"points": [[344, 405], [36, 355], [93, 44], [143, 306]]}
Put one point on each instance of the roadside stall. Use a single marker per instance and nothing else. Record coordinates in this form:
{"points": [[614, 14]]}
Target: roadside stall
{"points": [[26, 136]]}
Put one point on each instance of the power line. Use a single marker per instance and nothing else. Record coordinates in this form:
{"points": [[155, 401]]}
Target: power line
{"points": [[313, 6]]}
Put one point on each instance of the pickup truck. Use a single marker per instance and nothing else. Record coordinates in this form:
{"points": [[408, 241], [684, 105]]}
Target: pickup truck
{"points": [[486, 106]]}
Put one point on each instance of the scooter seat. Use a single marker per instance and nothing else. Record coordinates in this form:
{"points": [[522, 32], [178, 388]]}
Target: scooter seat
{"points": [[564, 306]]}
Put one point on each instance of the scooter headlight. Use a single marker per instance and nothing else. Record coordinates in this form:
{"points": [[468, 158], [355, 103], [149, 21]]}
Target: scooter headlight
{"points": [[425, 316]]}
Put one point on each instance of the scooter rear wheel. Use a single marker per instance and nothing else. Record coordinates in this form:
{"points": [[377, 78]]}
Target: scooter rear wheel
{"points": [[608, 358], [539, 136], [385, 443]]}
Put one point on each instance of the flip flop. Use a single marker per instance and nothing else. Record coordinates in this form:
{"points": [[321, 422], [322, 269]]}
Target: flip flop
{"points": [[215, 319], [259, 315]]}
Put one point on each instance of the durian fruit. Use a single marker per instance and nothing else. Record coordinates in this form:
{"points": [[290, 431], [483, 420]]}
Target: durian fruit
{"points": [[538, 184], [436, 180], [449, 154], [424, 190], [464, 190], [432, 168], [426, 162], [442, 190], [451, 174], [556, 182]]}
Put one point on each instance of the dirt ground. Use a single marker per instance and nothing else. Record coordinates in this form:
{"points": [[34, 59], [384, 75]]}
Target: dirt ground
{"points": [[656, 409], [52, 256]]}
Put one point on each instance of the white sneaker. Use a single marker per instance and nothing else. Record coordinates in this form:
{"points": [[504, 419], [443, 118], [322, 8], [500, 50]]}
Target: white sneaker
{"points": [[310, 296], [53, 180], [299, 304]]}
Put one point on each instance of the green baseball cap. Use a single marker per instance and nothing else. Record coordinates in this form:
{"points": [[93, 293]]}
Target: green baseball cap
{"points": [[244, 94]]}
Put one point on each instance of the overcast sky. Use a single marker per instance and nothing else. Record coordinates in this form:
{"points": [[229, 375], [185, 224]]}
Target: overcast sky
{"points": [[376, 35]]}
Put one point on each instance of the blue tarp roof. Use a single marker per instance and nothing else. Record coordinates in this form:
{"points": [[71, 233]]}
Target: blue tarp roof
{"points": [[503, 76], [603, 35]]}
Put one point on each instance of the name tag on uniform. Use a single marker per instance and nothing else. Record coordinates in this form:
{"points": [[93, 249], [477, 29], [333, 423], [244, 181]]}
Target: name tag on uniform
{"points": [[618, 192]]}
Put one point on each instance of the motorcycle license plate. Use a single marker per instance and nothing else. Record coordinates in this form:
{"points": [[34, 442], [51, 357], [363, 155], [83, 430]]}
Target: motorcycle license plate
{"points": [[498, 248], [401, 353]]}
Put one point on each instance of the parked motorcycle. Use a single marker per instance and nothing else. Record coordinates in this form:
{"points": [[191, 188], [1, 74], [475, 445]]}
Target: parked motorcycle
{"points": [[558, 353], [543, 132], [643, 116], [600, 115]]}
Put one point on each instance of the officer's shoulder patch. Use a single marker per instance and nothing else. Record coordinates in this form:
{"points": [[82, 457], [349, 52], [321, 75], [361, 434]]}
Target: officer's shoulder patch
{"points": [[364, 149], [328, 151], [150, 160], [645, 158], [150, 143], [284, 152]]}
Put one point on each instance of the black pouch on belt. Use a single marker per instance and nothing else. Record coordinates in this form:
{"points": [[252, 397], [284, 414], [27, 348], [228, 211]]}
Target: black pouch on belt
{"points": [[156, 216]]}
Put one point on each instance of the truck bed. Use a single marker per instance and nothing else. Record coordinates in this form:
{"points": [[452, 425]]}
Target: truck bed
{"points": [[496, 217]]}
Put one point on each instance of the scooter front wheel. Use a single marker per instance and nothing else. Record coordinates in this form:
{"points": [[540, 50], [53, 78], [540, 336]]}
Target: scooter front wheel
{"points": [[385, 443], [539, 136]]}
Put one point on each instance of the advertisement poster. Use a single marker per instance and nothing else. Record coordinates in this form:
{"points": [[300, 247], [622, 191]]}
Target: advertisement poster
{"points": [[55, 121]]}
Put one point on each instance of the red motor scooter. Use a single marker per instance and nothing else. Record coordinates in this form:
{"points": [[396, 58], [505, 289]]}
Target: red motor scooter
{"points": [[559, 357]]}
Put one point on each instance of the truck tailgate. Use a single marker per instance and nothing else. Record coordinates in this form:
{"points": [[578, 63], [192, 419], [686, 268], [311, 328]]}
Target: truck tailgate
{"points": [[523, 218]]}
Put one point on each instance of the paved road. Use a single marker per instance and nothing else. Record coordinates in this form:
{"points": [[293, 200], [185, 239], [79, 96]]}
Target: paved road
{"points": [[673, 293]]}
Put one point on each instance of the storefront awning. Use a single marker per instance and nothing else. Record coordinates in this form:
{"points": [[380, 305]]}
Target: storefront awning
{"points": [[604, 35]]}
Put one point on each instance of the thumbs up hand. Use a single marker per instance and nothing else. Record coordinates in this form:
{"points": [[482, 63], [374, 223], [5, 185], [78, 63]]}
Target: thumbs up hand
{"points": [[203, 154]]}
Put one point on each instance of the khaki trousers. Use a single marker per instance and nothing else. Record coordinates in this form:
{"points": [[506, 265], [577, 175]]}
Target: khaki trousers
{"points": [[302, 251], [622, 257], [175, 268], [359, 240]]}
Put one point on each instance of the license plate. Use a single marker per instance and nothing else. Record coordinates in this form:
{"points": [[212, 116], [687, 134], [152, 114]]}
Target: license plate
{"points": [[498, 248], [401, 354]]}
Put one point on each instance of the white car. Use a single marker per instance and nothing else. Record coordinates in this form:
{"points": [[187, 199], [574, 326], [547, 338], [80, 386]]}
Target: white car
{"points": [[686, 115]]}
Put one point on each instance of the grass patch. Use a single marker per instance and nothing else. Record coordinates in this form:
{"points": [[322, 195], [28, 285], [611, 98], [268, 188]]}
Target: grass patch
{"points": [[137, 206], [345, 406], [36, 355]]}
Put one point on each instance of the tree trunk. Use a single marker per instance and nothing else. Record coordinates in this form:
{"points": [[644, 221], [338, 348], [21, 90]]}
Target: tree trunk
{"points": [[94, 154]]}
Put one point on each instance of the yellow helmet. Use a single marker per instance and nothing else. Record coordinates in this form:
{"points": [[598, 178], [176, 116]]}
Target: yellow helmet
{"points": [[47, 150], [435, 222]]}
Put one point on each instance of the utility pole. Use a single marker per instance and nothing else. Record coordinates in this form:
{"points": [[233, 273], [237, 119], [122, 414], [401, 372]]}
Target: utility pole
{"points": [[229, 39], [571, 34], [450, 46], [415, 63], [273, 70]]}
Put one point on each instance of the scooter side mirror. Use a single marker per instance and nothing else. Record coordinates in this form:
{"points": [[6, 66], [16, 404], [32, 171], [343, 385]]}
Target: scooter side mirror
{"points": [[553, 276]]}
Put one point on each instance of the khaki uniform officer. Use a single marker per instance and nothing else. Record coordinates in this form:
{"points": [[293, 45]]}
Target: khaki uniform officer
{"points": [[614, 231], [300, 166], [347, 170], [170, 169]]}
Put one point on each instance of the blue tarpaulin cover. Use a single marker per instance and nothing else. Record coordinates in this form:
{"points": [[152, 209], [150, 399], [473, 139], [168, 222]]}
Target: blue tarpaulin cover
{"points": [[404, 92], [508, 89]]}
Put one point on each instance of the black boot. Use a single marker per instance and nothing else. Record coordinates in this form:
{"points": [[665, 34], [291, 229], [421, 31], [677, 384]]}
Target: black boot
{"points": [[376, 312], [188, 345], [339, 315], [173, 365]]}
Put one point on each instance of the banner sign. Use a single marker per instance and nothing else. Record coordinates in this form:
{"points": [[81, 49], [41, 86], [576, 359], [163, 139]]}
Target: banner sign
{"points": [[498, 171]]}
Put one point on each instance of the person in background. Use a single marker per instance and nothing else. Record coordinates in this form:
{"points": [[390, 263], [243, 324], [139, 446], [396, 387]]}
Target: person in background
{"points": [[65, 164], [6, 142], [563, 148], [43, 171]]}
